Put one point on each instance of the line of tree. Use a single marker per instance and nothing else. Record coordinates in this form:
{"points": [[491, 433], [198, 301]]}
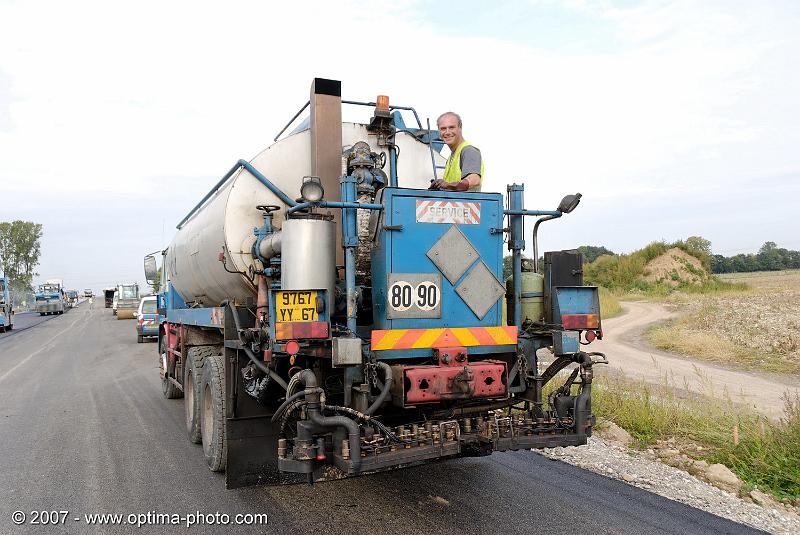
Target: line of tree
{"points": [[769, 258], [20, 249]]}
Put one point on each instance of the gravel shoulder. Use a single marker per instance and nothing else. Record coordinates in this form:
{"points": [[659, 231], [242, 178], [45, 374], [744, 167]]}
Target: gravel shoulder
{"points": [[645, 471]]}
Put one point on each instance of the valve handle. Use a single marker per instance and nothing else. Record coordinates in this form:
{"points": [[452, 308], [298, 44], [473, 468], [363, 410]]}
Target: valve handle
{"points": [[268, 208]]}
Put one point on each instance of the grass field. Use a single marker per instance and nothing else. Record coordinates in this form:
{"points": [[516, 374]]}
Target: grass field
{"points": [[757, 328]]}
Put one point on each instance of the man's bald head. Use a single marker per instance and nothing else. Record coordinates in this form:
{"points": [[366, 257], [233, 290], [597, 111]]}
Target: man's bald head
{"points": [[453, 114]]}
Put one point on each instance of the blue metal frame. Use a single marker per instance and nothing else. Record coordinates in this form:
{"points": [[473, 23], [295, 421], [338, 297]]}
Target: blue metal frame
{"points": [[516, 240], [402, 250]]}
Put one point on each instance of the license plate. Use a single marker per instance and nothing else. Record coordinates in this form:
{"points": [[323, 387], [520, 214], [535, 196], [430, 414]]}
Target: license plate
{"points": [[296, 305]]}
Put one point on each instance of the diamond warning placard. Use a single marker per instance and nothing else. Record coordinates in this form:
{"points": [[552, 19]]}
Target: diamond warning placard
{"points": [[454, 212]]}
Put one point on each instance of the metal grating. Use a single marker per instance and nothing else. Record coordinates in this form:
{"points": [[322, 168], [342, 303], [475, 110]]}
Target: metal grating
{"points": [[480, 290], [453, 254]]}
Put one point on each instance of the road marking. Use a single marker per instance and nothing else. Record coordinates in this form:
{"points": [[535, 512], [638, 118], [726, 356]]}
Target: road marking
{"points": [[44, 346]]}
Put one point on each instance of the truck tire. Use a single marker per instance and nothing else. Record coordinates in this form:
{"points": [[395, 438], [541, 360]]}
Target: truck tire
{"points": [[139, 338], [169, 390], [212, 410], [192, 384]]}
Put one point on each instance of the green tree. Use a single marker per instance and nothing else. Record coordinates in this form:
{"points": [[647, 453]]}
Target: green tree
{"points": [[20, 249], [698, 244], [592, 252], [769, 257], [156, 284]]}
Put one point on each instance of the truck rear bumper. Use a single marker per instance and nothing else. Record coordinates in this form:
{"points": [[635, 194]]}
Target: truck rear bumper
{"points": [[247, 463]]}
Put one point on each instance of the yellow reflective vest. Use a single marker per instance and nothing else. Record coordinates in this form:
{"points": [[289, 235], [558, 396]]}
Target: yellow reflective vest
{"points": [[452, 171]]}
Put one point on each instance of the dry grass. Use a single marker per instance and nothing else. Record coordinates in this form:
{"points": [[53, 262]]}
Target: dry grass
{"points": [[758, 329], [766, 454], [609, 304]]}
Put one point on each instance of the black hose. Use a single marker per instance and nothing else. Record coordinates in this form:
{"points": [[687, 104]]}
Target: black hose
{"points": [[285, 404], [257, 363], [263, 367], [387, 372]]}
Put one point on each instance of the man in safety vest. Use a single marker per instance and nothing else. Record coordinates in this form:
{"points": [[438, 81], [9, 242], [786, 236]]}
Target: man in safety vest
{"points": [[464, 170]]}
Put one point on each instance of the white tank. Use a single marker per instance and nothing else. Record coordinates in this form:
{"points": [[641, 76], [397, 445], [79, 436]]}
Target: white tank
{"points": [[226, 221]]}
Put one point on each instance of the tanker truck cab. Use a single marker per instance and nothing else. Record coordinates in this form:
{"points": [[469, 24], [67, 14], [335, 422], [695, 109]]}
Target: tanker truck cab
{"points": [[50, 298], [327, 317]]}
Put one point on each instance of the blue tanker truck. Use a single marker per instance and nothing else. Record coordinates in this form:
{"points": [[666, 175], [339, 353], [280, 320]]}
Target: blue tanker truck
{"points": [[323, 314], [50, 298]]}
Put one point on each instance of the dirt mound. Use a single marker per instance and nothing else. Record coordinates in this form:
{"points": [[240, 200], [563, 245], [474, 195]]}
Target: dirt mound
{"points": [[675, 267]]}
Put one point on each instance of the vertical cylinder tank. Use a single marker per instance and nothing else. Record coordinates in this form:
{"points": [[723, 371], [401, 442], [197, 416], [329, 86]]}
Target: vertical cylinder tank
{"points": [[308, 254], [532, 297]]}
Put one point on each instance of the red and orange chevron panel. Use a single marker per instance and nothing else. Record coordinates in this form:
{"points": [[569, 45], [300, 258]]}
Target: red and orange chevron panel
{"points": [[455, 337]]}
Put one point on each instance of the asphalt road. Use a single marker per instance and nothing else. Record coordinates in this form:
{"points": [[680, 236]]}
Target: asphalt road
{"points": [[84, 429], [25, 320]]}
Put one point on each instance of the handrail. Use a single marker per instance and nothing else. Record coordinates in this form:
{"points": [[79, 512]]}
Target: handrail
{"points": [[296, 115], [333, 204], [250, 169], [352, 102], [532, 212]]}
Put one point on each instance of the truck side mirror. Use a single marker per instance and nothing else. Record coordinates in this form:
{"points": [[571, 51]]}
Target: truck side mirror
{"points": [[569, 203], [150, 269]]}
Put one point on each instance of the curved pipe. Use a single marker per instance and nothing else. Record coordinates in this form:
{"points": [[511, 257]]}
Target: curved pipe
{"points": [[270, 245], [309, 380], [387, 385], [536, 239], [286, 403]]}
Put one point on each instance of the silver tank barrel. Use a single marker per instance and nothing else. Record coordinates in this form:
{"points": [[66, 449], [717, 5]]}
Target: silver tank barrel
{"points": [[308, 255]]}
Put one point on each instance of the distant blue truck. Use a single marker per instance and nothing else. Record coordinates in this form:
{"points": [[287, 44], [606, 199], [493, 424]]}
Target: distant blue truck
{"points": [[6, 306], [50, 298]]}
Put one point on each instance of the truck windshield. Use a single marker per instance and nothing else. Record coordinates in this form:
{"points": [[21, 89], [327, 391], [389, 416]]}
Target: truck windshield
{"points": [[49, 289], [129, 292], [2, 286], [149, 306]]}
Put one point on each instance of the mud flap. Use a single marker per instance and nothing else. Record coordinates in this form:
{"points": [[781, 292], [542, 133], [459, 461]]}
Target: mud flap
{"points": [[253, 454], [252, 440]]}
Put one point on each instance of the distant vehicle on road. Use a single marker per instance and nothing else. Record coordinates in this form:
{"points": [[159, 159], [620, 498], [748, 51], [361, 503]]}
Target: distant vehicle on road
{"points": [[6, 306], [147, 319], [127, 300], [108, 293], [50, 297], [71, 298], [114, 303], [87, 292]]}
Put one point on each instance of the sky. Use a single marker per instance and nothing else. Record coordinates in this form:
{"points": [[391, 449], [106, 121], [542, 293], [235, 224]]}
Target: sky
{"points": [[672, 118]]}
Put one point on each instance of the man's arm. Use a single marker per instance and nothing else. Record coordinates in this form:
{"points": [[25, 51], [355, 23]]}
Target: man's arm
{"points": [[469, 181], [470, 165]]}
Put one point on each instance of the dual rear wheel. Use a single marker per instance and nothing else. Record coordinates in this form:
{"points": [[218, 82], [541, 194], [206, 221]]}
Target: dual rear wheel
{"points": [[204, 403]]}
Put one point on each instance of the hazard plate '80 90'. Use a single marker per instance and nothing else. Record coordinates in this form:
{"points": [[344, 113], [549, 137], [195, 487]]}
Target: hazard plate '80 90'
{"points": [[414, 295]]}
